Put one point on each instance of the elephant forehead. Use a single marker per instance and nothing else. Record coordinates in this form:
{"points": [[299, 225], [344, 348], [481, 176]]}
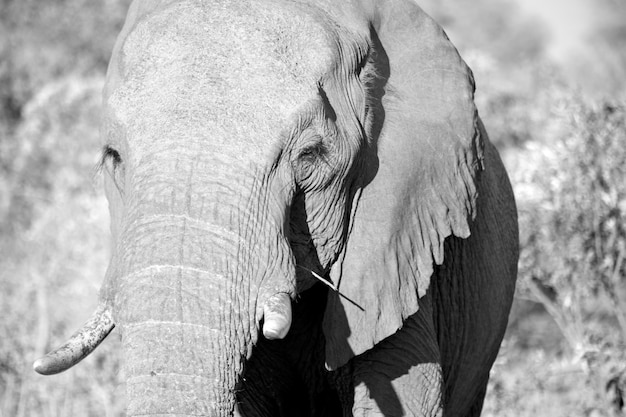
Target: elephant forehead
{"points": [[236, 69]]}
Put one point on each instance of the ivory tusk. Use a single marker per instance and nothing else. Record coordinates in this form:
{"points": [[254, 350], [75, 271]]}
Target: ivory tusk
{"points": [[277, 316], [79, 345]]}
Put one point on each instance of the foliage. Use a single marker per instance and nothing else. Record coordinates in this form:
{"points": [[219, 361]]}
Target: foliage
{"points": [[53, 222], [573, 214], [44, 41], [57, 255], [572, 206]]}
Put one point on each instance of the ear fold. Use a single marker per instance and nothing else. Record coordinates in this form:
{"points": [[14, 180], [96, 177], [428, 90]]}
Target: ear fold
{"points": [[429, 153]]}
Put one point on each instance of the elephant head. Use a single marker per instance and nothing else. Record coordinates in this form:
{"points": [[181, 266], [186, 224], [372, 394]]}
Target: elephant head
{"points": [[252, 149]]}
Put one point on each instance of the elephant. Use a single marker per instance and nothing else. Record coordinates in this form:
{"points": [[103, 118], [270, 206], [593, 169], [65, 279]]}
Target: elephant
{"points": [[307, 215]]}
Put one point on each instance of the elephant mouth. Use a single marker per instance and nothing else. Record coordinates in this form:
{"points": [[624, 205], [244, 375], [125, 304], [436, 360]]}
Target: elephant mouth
{"points": [[276, 324]]}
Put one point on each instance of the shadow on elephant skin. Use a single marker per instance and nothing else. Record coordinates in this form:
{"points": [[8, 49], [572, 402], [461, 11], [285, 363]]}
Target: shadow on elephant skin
{"points": [[288, 377]]}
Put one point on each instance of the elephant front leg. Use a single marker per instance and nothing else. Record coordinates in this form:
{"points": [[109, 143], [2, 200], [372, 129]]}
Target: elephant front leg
{"points": [[402, 375]]}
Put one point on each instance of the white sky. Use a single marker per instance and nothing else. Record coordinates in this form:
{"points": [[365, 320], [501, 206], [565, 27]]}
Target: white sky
{"points": [[568, 21]]}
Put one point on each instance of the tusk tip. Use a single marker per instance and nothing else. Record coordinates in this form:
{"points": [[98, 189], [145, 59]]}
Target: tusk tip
{"points": [[277, 313], [79, 345], [274, 331], [51, 365], [43, 366]]}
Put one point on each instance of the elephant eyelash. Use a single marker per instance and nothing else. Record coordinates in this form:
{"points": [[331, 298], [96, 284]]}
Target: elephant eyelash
{"points": [[112, 156], [108, 153], [319, 151]]}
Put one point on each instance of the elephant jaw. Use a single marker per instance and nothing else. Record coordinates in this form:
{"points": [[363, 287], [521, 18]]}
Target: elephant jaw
{"points": [[79, 345]]}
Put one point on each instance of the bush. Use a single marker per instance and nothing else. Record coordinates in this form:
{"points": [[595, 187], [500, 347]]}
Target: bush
{"points": [[571, 192], [53, 221], [55, 247], [572, 204]]}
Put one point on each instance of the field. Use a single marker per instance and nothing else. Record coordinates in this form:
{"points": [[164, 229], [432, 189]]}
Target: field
{"points": [[556, 112]]}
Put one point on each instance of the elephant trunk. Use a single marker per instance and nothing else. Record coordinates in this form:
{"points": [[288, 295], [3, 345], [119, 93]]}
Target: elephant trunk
{"points": [[189, 295], [185, 321], [181, 368]]}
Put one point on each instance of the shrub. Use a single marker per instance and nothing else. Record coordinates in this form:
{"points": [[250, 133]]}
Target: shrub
{"points": [[571, 191]]}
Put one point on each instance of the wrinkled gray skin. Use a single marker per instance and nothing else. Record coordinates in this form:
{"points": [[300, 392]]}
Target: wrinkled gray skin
{"points": [[248, 143]]}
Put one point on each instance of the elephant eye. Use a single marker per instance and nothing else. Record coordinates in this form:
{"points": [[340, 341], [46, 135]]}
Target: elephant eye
{"points": [[316, 152], [311, 166]]}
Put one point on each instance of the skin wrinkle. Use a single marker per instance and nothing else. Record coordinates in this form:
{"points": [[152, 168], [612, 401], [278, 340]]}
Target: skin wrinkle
{"points": [[215, 230], [186, 294], [163, 266], [161, 180], [277, 261], [326, 217], [328, 241], [305, 121], [168, 414], [241, 259], [181, 251], [166, 374], [162, 322]]}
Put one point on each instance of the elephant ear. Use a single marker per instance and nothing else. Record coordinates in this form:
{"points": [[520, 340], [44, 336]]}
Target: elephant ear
{"points": [[429, 154]]}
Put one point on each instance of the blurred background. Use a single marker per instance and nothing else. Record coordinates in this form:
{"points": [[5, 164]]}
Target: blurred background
{"points": [[551, 89]]}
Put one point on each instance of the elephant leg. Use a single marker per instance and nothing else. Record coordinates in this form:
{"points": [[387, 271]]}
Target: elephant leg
{"points": [[401, 376]]}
